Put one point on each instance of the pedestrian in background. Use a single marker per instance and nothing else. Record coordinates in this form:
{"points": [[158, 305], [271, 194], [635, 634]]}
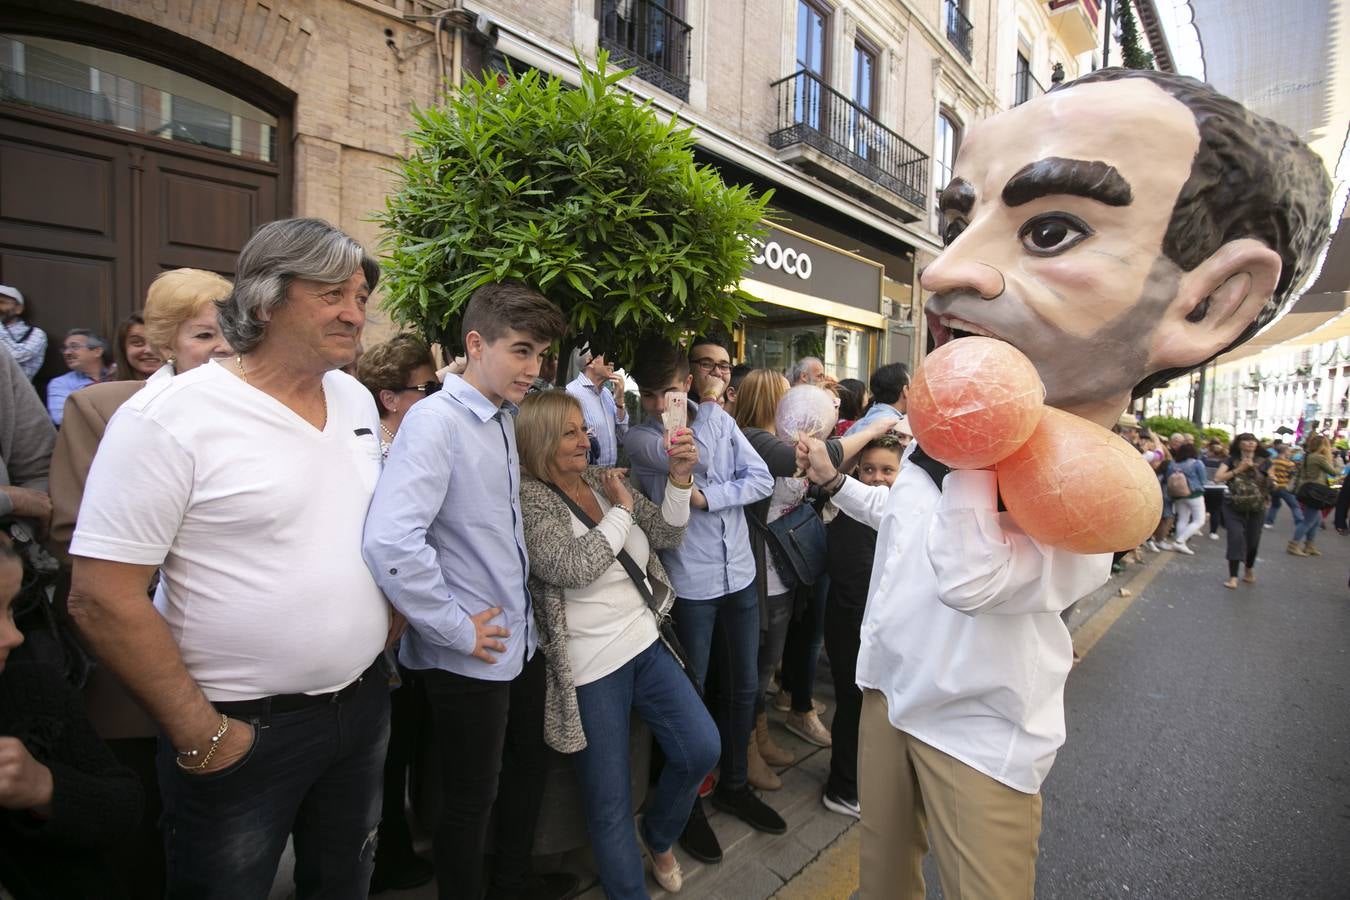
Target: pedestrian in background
{"points": [[1247, 476], [1190, 507], [1282, 469], [25, 342], [716, 610], [1316, 468], [889, 387], [86, 355], [600, 394], [134, 359]]}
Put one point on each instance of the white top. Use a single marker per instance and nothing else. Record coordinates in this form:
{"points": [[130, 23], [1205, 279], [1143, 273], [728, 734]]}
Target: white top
{"points": [[608, 622], [962, 631], [255, 517], [788, 494]]}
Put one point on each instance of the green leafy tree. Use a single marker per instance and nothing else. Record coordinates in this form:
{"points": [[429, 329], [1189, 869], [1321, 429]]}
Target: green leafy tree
{"points": [[585, 194], [1131, 50], [1166, 426], [1212, 433]]}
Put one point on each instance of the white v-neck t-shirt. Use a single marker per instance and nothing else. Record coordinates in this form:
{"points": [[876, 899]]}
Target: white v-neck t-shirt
{"points": [[255, 518]]}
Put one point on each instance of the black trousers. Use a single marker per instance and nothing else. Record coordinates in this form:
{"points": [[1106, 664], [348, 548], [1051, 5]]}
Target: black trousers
{"points": [[1342, 507], [1244, 536], [1214, 505], [409, 717], [490, 741], [843, 636]]}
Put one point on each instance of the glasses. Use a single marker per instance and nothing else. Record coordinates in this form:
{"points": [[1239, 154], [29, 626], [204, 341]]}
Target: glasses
{"points": [[707, 364], [428, 388]]}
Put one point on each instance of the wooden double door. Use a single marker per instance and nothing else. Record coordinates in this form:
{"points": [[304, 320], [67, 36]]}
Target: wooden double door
{"points": [[89, 215]]}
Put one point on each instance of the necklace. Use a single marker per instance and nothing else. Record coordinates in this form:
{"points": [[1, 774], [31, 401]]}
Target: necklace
{"points": [[323, 396], [388, 435]]}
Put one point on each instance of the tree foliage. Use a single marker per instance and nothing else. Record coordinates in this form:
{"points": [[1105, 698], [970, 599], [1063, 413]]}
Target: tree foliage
{"points": [[1132, 51], [585, 194], [1166, 426]]}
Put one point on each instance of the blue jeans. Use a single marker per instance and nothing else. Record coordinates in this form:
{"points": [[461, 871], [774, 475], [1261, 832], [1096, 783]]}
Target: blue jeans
{"points": [[653, 684], [729, 626], [1278, 495], [315, 773], [805, 637], [1305, 529]]}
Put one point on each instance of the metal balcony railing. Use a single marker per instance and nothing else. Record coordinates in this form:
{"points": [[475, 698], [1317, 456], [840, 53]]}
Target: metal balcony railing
{"points": [[649, 37], [1026, 87], [958, 28], [811, 112]]}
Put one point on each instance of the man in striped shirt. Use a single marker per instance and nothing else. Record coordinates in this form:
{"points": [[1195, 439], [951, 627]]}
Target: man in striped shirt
{"points": [[601, 404]]}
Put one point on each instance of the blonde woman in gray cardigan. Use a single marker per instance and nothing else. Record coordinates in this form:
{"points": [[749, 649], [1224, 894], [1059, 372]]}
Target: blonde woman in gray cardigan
{"points": [[605, 657]]}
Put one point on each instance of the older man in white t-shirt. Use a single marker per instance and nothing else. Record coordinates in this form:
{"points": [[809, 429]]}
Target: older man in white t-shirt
{"points": [[246, 483]]}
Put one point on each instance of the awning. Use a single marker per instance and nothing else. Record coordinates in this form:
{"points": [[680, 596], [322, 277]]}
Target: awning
{"points": [[1320, 314]]}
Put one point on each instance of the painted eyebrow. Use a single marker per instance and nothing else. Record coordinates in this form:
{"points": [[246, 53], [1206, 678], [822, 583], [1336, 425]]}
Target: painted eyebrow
{"points": [[1054, 175], [957, 196]]}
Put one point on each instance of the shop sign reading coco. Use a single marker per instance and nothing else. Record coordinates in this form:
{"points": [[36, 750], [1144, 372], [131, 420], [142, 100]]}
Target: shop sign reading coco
{"points": [[781, 257]]}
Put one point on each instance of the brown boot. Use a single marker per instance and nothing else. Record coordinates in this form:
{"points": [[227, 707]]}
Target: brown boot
{"points": [[770, 752], [1309, 549], [757, 771], [1295, 549]]}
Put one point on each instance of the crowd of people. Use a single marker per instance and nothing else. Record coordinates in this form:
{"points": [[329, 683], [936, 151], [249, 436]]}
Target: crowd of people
{"points": [[278, 592], [1240, 488]]}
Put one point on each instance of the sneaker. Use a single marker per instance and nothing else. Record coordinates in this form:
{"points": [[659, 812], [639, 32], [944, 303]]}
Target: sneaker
{"points": [[782, 701], [698, 839], [808, 727], [745, 805], [1213, 535], [1182, 548], [1269, 525], [841, 805], [1151, 545]]}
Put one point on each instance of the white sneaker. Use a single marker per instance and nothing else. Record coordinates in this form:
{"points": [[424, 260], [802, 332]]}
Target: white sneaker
{"points": [[1166, 545], [1151, 545], [1182, 548], [841, 805], [1268, 525], [1213, 535]]}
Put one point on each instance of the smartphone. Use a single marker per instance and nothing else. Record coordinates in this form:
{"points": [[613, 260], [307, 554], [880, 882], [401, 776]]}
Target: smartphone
{"points": [[676, 415]]}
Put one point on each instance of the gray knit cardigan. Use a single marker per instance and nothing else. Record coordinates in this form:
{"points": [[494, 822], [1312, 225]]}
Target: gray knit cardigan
{"points": [[559, 561]]}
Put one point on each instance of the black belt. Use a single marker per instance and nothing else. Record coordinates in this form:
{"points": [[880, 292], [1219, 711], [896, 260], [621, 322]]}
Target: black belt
{"points": [[284, 703]]}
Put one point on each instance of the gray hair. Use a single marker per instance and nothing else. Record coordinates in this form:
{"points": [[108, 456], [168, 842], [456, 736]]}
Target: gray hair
{"points": [[93, 340], [799, 368], [277, 254]]}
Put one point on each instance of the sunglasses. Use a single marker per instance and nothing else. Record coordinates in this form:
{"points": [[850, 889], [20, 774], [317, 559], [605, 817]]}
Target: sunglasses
{"points": [[428, 388]]}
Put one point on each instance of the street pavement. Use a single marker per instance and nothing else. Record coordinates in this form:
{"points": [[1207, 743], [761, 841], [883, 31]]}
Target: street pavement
{"points": [[1208, 751]]}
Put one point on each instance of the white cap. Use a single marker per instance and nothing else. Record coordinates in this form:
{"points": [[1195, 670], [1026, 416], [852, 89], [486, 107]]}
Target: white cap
{"points": [[12, 292]]}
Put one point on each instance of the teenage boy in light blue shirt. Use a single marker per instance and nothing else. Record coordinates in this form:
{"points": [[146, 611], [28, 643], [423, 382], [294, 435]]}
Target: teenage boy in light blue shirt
{"points": [[445, 541]]}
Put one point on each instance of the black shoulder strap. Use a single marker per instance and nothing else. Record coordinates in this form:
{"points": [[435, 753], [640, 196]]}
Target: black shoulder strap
{"points": [[936, 470], [629, 564]]}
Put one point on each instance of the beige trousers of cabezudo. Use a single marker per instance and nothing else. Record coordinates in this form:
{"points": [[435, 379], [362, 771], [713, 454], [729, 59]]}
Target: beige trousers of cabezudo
{"points": [[984, 833]]}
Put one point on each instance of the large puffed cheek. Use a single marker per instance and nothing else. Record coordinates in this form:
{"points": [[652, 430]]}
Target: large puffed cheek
{"points": [[1076, 485], [974, 401]]}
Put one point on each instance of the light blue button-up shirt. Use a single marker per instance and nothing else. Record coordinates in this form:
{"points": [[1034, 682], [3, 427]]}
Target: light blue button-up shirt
{"points": [[602, 417], [714, 559], [874, 412], [444, 537]]}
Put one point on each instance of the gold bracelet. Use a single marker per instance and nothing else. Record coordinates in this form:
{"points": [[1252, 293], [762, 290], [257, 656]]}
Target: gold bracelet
{"points": [[210, 752], [684, 487]]}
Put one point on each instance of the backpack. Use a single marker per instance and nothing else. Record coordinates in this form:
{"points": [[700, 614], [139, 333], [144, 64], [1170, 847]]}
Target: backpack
{"points": [[1177, 484], [1247, 492]]}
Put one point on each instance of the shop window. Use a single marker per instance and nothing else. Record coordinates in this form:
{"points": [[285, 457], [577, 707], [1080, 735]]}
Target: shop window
{"points": [[124, 92]]}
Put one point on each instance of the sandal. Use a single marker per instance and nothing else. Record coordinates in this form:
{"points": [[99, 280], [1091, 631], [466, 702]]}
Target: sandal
{"points": [[1231, 584]]}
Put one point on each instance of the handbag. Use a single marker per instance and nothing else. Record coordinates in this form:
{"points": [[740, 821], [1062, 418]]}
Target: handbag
{"points": [[797, 539], [1177, 485], [665, 627], [1315, 495]]}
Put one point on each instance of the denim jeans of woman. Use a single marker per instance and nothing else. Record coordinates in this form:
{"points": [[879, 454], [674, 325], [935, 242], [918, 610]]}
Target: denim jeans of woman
{"points": [[1306, 530], [653, 685], [1281, 495]]}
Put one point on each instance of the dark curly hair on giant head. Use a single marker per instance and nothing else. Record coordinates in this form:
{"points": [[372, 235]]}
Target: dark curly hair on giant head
{"points": [[1251, 178]]}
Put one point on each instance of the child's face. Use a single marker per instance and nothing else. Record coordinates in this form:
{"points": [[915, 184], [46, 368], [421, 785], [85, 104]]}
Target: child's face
{"points": [[879, 466], [11, 577], [505, 368]]}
